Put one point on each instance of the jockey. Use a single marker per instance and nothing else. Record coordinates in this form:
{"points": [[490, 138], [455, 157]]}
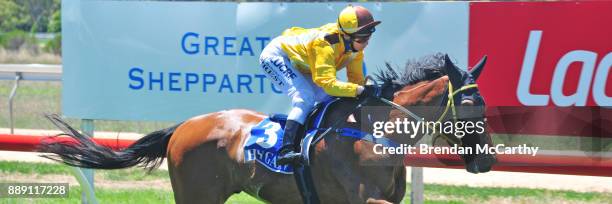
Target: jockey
{"points": [[303, 63]]}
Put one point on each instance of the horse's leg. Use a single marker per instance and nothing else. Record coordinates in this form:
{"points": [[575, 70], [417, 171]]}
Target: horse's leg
{"points": [[363, 184], [350, 181], [275, 188], [304, 181], [203, 176], [399, 189], [175, 181]]}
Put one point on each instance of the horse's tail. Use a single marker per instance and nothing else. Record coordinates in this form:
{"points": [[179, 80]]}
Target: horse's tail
{"points": [[148, 152]]}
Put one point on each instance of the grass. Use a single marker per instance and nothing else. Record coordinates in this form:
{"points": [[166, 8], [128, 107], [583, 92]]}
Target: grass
{"points": [[136, 196], [32, 168], [121, 196], [24, 56], [490, 194], [433, 194], [131, 174]]}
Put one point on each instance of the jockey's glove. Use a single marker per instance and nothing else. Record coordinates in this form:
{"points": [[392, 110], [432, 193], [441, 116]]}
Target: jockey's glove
{"points": [[367, 91]]}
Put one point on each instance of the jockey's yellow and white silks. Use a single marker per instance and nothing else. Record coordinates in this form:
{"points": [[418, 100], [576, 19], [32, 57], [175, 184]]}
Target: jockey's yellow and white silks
{"points": [[303, 63], [313, 55]]}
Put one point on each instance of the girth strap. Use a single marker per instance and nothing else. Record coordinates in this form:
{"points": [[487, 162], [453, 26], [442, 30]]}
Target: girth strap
{"points": [[360, 135]]}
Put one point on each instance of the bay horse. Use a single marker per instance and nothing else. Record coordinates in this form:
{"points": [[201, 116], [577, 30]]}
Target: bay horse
{"points": [[206, 161]]}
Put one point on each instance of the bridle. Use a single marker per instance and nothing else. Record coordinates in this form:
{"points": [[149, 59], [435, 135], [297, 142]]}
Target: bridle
{"points": [[450, 105]]}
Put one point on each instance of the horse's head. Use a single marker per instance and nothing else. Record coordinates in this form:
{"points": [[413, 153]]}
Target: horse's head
{"points": [[470, 107], [435, 89]]}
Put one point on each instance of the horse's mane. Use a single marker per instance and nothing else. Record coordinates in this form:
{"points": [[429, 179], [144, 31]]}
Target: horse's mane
{"points": [[426, 68]]}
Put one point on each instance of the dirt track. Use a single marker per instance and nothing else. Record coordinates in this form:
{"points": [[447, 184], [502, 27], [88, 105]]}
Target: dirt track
{"points": [[431, 175]]}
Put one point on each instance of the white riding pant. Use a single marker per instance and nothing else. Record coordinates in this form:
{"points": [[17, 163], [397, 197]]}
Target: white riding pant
{"points": [[302, 90]]}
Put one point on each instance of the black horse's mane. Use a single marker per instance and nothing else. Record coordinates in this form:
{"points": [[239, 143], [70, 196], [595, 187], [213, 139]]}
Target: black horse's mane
{"points": [[426, 68]]}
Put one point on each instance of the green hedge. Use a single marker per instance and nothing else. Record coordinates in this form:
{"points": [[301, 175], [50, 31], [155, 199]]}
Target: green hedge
{"points": [[54, 45], [17, 39]]}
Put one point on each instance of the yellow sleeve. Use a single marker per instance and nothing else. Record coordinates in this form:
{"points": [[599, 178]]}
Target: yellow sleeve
{"points": [[354, 70], [324, 71]]}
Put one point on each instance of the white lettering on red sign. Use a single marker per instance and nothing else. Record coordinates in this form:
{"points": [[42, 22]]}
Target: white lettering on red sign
{"points": [[579, 98]]}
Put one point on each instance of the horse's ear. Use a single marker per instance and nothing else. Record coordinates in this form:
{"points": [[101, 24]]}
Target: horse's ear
{"points": [[477, 69], [454, 74]]}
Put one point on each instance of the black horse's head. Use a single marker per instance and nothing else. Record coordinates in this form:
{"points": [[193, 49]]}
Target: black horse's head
{"points": [[467, 103], [470, 108]]}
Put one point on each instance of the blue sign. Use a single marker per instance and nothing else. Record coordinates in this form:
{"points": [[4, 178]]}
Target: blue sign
{"points": [[169, 61]]}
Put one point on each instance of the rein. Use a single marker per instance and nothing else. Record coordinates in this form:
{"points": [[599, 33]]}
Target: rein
{"points": [[333, 126], [360, 135], [450, 104]]}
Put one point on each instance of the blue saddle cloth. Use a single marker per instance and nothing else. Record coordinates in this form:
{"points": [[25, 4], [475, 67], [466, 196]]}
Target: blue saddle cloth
{"points": [[263, 145], [265, 141]]}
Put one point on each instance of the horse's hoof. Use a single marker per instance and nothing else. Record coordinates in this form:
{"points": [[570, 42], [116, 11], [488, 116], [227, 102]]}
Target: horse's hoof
{"points": [[481, 164], [472, 167], [485, 162]]}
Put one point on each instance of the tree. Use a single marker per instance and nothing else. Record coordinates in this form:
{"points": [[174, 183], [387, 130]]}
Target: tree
{"points": [[55, 22], [12, 16], [39, 12]]}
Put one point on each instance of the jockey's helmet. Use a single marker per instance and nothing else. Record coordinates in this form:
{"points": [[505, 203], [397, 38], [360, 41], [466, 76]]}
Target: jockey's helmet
{"points": [[356, 21]]}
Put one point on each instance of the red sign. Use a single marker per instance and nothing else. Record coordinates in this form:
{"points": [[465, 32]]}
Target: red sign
{"points": [[543, 53]]}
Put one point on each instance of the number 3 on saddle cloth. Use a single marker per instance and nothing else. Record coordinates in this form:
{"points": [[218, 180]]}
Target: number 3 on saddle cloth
{"points": [[266, 138]]}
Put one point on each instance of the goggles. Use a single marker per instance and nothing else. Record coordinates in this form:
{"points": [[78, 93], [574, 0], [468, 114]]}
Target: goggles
{"points": [[363, 36]]}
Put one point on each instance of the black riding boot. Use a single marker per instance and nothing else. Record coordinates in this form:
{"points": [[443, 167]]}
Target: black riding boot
{"points": [[287, 153]]}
